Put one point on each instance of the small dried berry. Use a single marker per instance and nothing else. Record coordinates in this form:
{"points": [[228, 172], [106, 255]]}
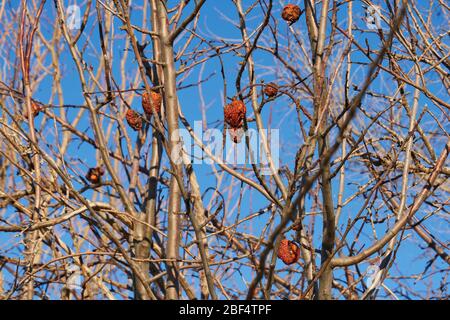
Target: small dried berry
{"points": [[288, 252], [151, 101], [291, 13], [271, 90], [94, 174], [36, 107], [134, 119], [234, 114]]}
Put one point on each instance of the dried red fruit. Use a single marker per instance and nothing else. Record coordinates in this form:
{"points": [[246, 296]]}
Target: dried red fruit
{"points": [[291, 13], [36, 107], [288, 252], [94, 174], [271, 89], [134, 119], [234, 114], [151, 101]]}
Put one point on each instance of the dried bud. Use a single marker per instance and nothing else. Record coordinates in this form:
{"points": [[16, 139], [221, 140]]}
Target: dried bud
{"points": [[288, 252], [151, 101], [234, 114], [134, 119], [94, 174], [291, 13], [271, 89]]}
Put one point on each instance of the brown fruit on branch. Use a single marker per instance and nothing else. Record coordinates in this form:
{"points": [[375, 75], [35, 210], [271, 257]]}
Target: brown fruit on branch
{"points": [[271, 89], [151, 101], [94, 174], [134, 119], [36, 107], [234, 114], [291, 13], [288, 252]]}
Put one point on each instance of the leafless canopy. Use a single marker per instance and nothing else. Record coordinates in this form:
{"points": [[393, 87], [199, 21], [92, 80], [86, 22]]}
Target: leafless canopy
{"points": [[93, 207]]}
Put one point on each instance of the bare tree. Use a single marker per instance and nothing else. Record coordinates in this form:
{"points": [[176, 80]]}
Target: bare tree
{"points": [[129, 166]]}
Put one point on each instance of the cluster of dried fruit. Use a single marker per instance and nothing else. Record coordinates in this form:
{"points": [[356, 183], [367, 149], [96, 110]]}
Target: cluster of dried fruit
{"points": [[94, 174], [151, 101], [291, 13], [288, 252], [234, 115], [271, 90], [134, 119]]}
